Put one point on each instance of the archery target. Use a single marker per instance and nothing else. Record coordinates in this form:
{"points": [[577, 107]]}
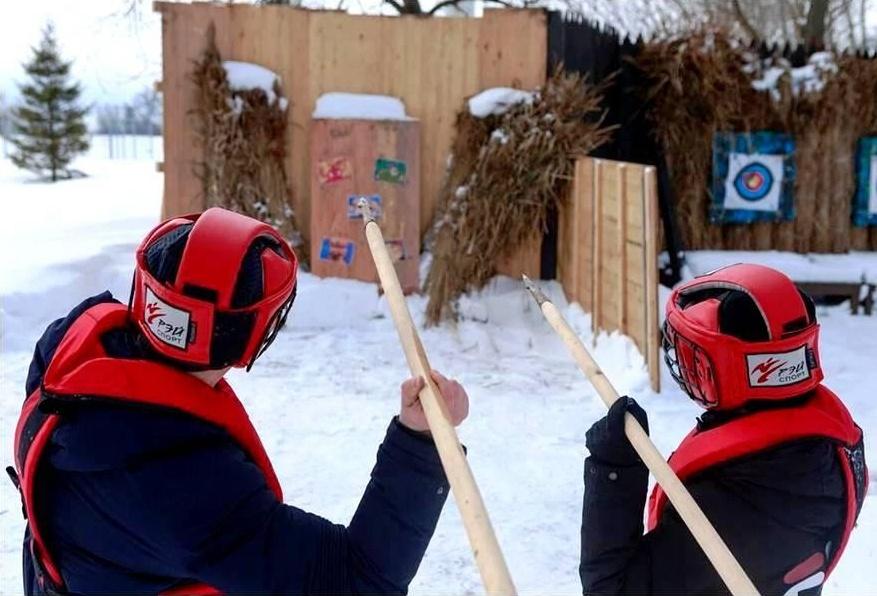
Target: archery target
{"points": [[872, 187], [754, 181]]}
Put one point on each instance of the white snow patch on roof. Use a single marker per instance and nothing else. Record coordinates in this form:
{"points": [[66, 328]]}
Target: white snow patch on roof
{"points": [[359, 106], [498, 101], [246, 75]]}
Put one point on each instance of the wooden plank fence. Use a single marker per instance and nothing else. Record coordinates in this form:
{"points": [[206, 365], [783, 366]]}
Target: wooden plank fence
{"points": [[608, 251], [431, 64]]}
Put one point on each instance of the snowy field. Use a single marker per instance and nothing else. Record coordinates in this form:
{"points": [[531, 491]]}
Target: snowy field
{"points": [[324, 393]]}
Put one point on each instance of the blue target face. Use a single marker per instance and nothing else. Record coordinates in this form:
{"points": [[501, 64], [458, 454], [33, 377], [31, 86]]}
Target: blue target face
{"points": [[753, 181]]}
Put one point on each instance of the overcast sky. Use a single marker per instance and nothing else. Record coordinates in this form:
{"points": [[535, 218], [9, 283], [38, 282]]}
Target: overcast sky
{"points": [[114, 55]]}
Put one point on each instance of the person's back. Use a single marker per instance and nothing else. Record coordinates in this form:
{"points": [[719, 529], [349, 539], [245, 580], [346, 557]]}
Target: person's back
{"points": [[142, 474], [776, 463]]}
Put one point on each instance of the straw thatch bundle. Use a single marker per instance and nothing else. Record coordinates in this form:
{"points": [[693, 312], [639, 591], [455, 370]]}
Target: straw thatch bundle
{"points": [[702, 84], [243, 136], [506, 171]]}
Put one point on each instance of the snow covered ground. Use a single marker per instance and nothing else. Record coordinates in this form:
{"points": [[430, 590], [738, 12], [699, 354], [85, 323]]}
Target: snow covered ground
{"points": [[324, 393]]}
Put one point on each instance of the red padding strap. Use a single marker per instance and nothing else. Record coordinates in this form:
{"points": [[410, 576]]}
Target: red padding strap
{"points": [[822, 416]]}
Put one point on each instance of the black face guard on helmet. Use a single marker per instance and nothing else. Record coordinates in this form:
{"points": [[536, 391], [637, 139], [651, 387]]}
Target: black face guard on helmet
{"points": [[277, 322]]}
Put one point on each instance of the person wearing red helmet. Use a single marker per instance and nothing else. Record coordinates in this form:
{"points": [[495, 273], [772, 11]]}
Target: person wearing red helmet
{"points": [[776, 462], [139, 469]]}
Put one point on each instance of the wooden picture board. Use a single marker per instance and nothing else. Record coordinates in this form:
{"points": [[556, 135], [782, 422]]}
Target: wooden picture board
{"points": [[346, 155]]}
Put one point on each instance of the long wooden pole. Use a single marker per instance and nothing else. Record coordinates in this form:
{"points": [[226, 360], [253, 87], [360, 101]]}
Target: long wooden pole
{"points": [[703, 531], [485, 547]]}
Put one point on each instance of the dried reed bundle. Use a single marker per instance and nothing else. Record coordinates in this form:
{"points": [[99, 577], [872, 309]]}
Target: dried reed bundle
{"points": [[243, 136], [702, 84], [507, 170]]}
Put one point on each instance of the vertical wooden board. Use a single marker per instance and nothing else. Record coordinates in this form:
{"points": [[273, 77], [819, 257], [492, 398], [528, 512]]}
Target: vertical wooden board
{"points": [[587, 236], [597, 250], [171, 128], [632, 277], [633, 194], [445, 48], [192, 29], [650, 199], [359, 144], [622, 246], [293, 68], [636, 323], [567, 247], [635, 276], [184, 38], [609, 262], [521, 63]]}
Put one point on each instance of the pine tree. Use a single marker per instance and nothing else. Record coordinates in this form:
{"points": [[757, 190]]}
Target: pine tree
{"points": [[50, 127]]}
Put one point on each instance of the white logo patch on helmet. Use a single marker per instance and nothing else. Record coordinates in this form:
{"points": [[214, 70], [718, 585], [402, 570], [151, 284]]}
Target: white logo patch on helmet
{"points": [[777, 370], [167, 323]]}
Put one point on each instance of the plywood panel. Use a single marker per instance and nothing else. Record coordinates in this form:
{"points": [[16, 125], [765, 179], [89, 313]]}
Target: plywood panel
{"points": [[351, 149]]}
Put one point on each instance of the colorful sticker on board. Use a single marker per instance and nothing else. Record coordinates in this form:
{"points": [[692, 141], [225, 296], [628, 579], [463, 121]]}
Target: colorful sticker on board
{"points": [[337, 249], [334, 170], [374, 201], [753, 177], [865, 202], [396, 248], [390, 170]]}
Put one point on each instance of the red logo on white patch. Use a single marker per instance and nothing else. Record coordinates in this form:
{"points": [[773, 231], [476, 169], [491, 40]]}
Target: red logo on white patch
{"points": [[167, 323], [778, 370]]}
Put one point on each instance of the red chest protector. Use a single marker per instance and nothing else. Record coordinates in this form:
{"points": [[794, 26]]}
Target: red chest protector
{"points": [[81, 370], [823, 415]]}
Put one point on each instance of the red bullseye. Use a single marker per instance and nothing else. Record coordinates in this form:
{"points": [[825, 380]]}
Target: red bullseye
{"points": [[753, 180]]}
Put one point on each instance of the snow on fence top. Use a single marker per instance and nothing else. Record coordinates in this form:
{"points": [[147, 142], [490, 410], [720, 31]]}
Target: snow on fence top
{"points": [[496, 101], [359, 106], [854, 267], [246, 75]]}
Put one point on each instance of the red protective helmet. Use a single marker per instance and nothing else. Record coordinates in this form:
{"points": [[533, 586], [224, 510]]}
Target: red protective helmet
{"points": [[213, 289], [740, 334]]}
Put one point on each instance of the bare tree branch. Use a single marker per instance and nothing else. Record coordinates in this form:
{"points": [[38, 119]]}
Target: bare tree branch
{"points": [[396, 5]]}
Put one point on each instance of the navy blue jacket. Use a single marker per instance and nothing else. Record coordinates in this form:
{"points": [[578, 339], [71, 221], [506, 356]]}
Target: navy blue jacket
{"points": [[775, 509], [137, 500]]}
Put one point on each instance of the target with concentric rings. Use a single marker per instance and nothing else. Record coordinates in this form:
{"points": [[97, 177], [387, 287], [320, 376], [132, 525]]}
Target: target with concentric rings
{"points": [[753, 182]]}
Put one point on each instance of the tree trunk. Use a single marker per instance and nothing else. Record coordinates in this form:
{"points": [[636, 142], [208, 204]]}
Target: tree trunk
{"points": [[814, 30], [412, 7]]}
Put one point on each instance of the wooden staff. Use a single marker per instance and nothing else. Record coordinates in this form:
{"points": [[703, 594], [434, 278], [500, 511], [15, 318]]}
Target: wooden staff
{"points": [[485, 547], [709, 540]]}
